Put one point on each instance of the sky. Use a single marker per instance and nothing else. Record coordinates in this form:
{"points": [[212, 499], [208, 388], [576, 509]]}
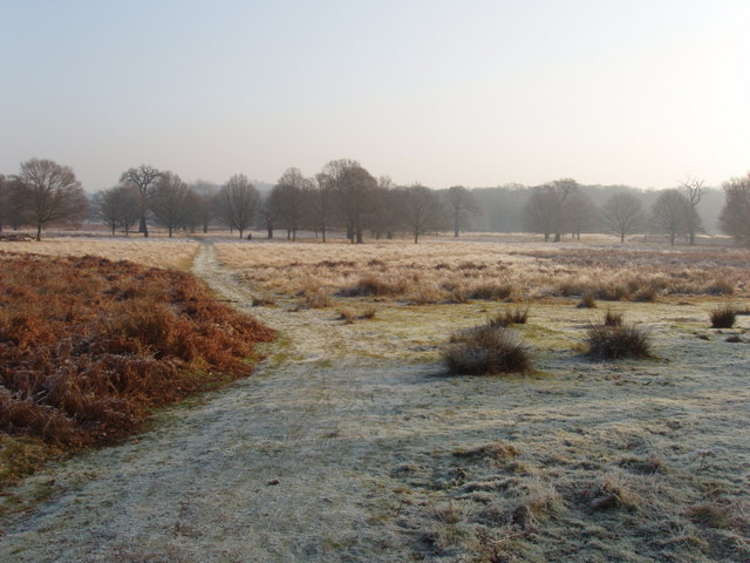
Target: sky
{"points": [[644, 93]]}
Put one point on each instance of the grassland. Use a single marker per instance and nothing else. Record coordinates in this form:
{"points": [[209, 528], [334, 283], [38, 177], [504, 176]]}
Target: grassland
{"points": [[354, 443], [153, 252]]}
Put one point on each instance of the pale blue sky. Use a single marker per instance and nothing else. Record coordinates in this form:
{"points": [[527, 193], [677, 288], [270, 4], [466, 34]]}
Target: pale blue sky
{"points": [[478, 93]]}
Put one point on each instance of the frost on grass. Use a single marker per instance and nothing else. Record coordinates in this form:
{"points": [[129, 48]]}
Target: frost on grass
{"points": [[486, 350]]}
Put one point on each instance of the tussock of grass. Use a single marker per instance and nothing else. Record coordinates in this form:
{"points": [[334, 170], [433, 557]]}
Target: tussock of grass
{"points": [[612, 319], [723, 317], [486, 350], [618, 342], [510, 317], [88, 346], [347, 315], [371, 285], [316, 299], [494, 451]]}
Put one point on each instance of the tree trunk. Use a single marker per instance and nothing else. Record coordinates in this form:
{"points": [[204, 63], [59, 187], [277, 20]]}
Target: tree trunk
{"points": [[38, 231], [622, 238], [416, 237], [113, 229], [270, 231], [241, 231], [143, 227], [557, 237], [323, 232], [170, 231], [360, 238]]}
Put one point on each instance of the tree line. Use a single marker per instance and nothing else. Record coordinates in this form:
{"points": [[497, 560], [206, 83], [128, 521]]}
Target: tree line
{"points": [[345, 197]]}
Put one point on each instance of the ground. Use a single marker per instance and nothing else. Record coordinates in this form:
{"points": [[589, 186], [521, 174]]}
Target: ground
{"points": [[352, 443]]}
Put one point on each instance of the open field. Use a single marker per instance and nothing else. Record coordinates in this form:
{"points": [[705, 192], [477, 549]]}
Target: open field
{"points": [[353, 443]]}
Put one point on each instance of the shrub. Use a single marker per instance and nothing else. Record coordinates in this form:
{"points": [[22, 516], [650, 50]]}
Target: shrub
{"points": [[486, 350], [612, 319], [723, 317], [616, 342]]}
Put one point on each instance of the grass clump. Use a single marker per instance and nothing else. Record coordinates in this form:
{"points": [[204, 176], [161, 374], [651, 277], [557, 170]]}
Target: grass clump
{"points": [[368, 286], [612, 319], [486, 350], [587, 301], [510, 317], [618, 342], [723, 317]]}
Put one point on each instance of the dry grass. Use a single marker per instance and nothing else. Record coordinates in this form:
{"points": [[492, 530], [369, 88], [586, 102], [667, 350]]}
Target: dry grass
{"points": [[154, 252], [89, 346], [456, 272]]}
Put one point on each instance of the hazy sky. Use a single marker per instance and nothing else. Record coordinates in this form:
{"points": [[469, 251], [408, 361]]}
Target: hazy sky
{"points": [[469, 92]]}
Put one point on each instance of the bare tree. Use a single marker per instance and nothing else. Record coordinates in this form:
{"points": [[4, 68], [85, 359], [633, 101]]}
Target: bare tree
{"points": [[169, 201], [562, 190], [623, 214], [693, 190], [321, 203], [238, 203], [205, 204], [735, 215], [669, 214], [267, 217], [539, 211], [118, 207], [386, 214], [462, 204], [354, 187], [144, 179], [51, 193], [580, 214], [4, 200], [287, 200], [421, 209]]}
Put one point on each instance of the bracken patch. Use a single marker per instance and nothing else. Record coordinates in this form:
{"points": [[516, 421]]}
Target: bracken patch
{"points": [[88, 346]]}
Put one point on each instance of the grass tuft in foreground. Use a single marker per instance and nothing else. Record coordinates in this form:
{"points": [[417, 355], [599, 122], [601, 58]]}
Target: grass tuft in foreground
{"points": [[486, 350], [618, 342]]}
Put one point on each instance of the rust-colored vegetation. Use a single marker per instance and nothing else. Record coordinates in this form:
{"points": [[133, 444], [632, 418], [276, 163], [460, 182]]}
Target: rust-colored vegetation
{"points": [[88, 346]]}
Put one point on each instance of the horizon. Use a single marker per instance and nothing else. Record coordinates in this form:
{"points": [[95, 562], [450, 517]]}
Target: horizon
{"points": [[435, 93]]}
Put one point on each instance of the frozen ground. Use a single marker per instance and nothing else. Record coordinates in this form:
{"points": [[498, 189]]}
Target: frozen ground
{"points": [[350, 444]]}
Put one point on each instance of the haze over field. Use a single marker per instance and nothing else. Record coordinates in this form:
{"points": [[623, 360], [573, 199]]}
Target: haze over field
{"points": [[442, 93]]}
